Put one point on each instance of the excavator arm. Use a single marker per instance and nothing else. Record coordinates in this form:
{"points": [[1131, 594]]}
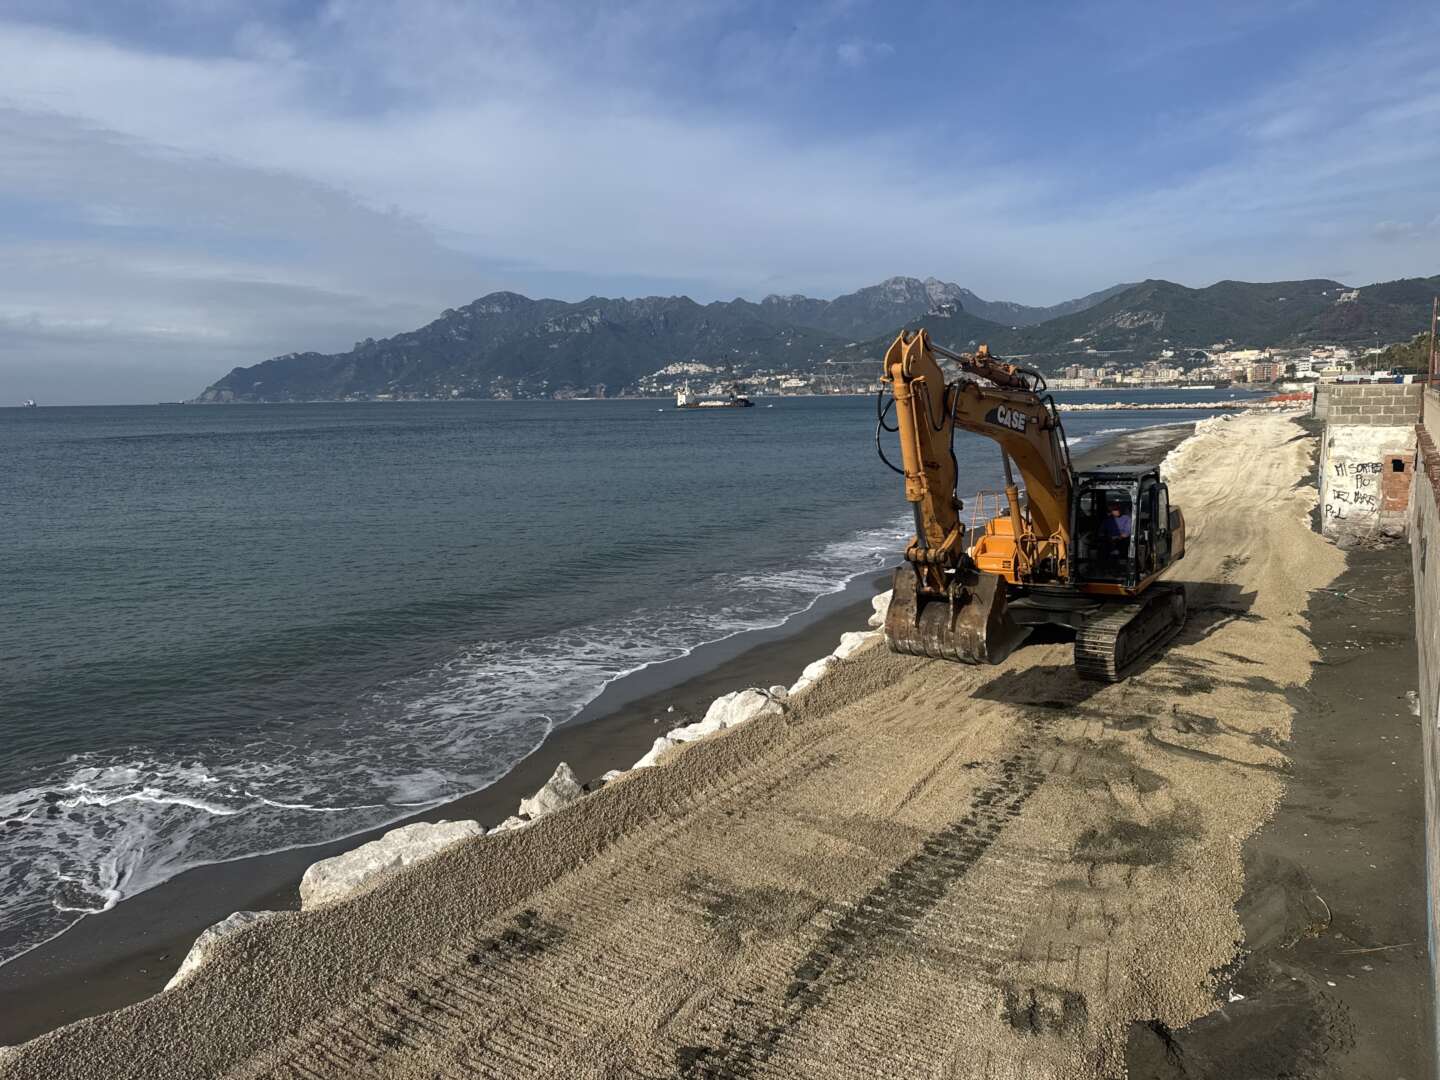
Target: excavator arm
{"points": [[1007, 407], [926, 422], [1002, 402]]}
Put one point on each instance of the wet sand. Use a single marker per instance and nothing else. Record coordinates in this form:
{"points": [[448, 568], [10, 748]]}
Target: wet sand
{"points": [[917, 869]]}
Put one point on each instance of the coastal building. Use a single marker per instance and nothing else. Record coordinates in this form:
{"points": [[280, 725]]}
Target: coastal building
{"points": [[1262, 371], [1237, 357]]}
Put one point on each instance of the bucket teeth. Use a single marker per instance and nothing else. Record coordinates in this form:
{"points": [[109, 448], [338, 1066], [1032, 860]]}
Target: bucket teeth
{"points": [[973, 629]]}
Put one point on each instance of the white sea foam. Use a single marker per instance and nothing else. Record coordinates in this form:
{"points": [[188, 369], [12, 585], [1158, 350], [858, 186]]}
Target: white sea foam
{"points": [[96, 831]]}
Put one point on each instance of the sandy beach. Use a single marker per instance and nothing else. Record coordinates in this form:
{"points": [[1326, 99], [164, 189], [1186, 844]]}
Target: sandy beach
{"points": [[917, 867]]}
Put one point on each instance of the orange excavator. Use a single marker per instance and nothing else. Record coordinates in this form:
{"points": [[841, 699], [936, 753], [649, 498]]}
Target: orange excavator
{"points": [[1081, 550]]}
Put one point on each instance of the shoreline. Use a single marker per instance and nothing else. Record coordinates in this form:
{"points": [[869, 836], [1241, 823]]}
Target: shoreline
{"points": [[129, 952], [618, 397]]}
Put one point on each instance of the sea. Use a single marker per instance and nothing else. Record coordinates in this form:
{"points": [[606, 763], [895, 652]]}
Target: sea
{"points": [[232, 630]]}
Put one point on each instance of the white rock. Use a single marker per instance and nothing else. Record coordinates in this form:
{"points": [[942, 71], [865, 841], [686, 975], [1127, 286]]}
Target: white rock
{"points": [[346, 874], [739, 706], [226, 927], [881, 603], [725, 712], [815, 671], [559, 791], [662, 744], [812, 674], [613, 774], [698, 730], [850, 643], [510, 823], [853, 642]]}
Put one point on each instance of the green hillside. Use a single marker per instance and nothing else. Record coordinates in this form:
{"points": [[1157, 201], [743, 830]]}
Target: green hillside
{"points": [[505, 345]]}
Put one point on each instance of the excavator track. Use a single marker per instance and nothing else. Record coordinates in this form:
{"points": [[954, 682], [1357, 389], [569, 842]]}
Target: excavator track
{"points": [[1109, 644]]}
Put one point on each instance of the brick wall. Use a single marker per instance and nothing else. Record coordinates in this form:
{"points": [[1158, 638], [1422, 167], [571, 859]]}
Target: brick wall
{"points": [[1387, 404], [1395, 481]]}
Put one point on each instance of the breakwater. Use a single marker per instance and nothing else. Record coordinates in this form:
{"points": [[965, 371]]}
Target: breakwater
{"points": [[1129, 406]]}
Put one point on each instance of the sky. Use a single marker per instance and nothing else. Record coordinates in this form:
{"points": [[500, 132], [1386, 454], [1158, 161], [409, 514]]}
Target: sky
{"points": [[187, 186]]}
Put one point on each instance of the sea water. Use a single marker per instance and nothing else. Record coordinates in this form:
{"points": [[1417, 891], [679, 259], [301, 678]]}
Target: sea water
{"points": [[233, 630]]}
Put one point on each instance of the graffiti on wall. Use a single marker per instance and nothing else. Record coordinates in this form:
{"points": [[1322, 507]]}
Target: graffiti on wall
{"points": [[1353, 491]]}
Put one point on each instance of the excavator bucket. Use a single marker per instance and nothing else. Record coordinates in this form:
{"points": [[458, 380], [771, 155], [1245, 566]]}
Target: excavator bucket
{"points": [[974, 628]]}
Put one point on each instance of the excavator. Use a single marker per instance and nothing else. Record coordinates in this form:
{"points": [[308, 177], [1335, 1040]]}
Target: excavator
{"points": [[1079, 550]]}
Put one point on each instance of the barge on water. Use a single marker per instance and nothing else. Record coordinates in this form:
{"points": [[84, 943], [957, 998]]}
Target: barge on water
{"points": [[688, 399]]}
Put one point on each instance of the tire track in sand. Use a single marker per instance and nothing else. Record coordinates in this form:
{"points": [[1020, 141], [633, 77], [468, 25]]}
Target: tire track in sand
{"points": [[885, 913], [600, 965]]}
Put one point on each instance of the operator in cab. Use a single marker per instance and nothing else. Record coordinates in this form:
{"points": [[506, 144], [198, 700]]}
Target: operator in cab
{"points": [[1116, 530]]}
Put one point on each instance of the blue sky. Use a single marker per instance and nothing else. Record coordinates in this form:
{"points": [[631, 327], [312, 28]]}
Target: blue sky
{"points": [[188, 186]]}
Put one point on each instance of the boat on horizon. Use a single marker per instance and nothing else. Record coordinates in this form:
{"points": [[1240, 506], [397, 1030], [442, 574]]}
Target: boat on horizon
{"points": [[685, 398], [29, 403]]}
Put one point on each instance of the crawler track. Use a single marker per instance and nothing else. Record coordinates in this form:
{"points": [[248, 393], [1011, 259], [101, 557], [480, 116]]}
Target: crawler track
{"points": [[1111, 644]]}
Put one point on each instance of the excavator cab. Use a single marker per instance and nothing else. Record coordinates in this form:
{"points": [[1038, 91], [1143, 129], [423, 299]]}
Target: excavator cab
{"points": [[1125, 530]]}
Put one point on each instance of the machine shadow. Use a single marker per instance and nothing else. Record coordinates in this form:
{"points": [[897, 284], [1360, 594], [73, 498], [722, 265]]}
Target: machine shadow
{"points": [[1210, 606]]}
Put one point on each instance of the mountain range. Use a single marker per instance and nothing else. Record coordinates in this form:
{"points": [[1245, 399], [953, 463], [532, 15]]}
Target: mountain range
{"points": [[508, 345]]}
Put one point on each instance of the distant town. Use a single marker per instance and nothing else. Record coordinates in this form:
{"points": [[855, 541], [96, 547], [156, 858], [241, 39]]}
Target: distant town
{"points": [[1218, 365], [1287, 369]]}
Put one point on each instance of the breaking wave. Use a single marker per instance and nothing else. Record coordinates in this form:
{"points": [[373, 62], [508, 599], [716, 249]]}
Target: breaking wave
{"points": [[98, 831]]}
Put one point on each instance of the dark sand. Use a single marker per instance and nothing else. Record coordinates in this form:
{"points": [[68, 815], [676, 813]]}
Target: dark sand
{"points": [[1335, 978], [128, 953]]}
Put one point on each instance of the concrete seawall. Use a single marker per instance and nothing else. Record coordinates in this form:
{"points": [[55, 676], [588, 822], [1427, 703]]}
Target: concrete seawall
{"points": [[1424, 526], [1379, 479], [1367, 403]]}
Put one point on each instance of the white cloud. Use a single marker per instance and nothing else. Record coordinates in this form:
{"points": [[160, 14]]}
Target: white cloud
{"points": [[233, 164], [856, 53], [172, 268], [318, 186]]}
